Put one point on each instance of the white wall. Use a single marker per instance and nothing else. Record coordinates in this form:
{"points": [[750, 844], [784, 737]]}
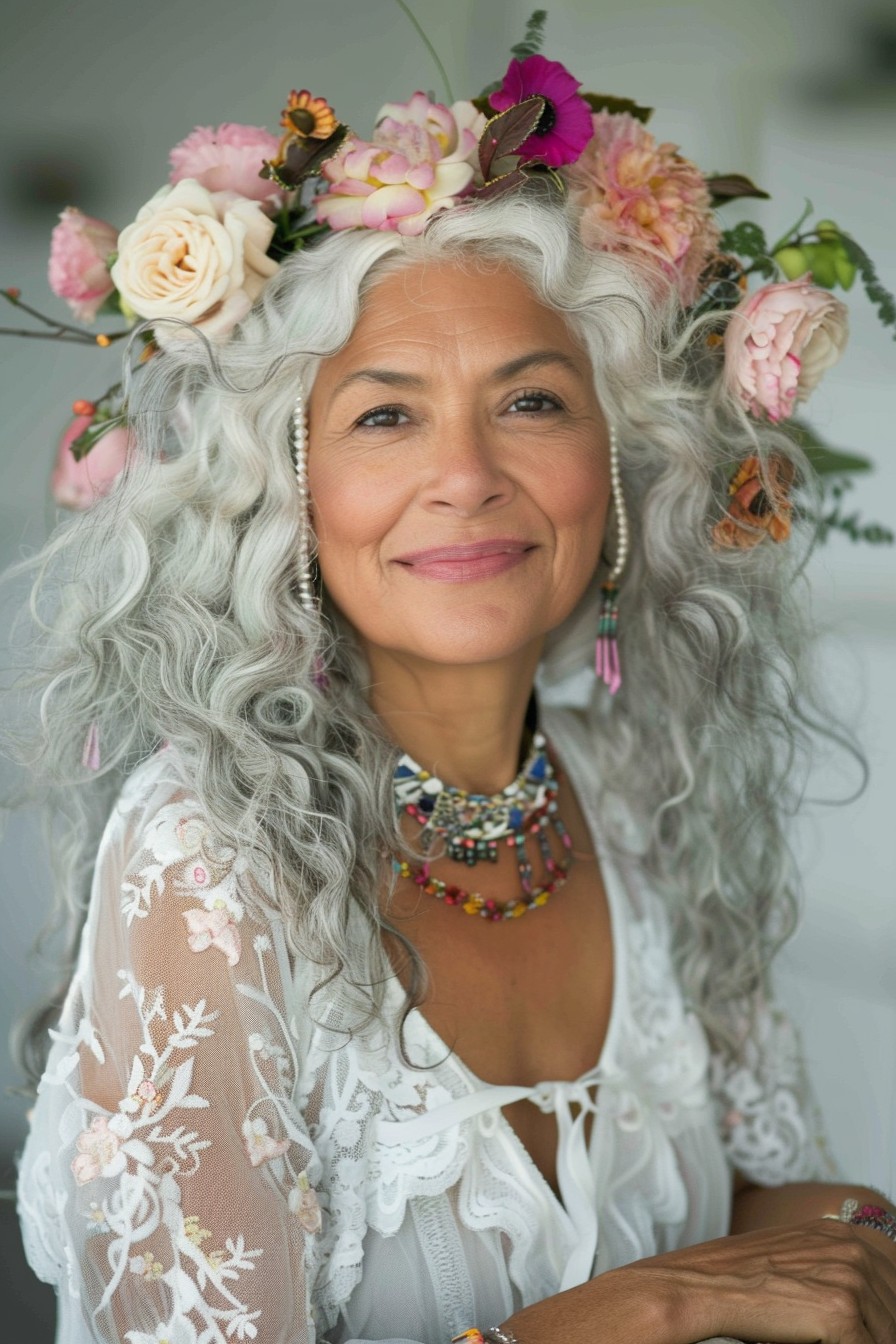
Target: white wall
{"points": [[104, 88]]}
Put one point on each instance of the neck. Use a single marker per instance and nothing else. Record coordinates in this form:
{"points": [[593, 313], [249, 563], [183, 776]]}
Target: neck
{"points": [[462, 723]]}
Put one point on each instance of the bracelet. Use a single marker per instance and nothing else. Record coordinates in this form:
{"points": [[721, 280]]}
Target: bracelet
{"points": [[866, 1215], [493, 1336]]}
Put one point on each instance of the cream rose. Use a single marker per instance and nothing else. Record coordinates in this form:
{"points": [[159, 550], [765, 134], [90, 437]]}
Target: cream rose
{"points": [[196, 255]]}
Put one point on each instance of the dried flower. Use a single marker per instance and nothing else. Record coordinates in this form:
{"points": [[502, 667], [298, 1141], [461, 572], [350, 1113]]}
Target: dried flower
{"points": [[759, 504], [638, 196]]}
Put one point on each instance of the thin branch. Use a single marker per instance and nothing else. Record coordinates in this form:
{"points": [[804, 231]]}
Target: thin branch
{"points": [[430, 48], [62, 334]]}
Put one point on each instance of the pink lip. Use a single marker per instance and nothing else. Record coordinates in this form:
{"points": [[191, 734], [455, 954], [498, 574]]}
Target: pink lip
{"points": [[461, 564]]}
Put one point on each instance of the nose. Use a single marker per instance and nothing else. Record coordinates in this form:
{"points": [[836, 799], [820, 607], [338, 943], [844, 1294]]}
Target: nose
{"points": [[467, 474]]}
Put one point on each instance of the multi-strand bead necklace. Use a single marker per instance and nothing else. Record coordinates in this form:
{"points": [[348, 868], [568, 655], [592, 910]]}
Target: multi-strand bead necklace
{"points": [[474, 825]]}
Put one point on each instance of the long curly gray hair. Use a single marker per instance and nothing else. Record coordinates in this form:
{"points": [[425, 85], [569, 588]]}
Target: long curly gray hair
{"points": [[171, 610]]}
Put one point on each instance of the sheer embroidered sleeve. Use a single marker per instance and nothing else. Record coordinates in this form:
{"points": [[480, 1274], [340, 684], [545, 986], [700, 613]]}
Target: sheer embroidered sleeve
{"points": [[168, 1185], [768, 1116]]}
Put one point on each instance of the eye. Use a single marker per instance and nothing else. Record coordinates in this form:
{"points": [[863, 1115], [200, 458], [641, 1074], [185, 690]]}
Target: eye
{"points": [[535, 403], [383, 417]]}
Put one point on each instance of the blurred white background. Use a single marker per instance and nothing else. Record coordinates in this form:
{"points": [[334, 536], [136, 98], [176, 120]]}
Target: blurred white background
{"points": [[798, 94]]}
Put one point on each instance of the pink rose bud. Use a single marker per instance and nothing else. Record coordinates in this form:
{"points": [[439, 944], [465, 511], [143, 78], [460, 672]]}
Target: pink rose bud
{"points": [[77, 485], [79, 249], [779, 342]]}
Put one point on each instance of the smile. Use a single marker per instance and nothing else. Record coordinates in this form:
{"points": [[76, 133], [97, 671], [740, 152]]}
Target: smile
{"points": [[466, 563]]}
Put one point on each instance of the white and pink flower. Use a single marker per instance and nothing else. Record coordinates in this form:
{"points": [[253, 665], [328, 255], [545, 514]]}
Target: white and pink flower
{"points": [[80, 248], [303, 1202], [778, 343], [260, 1145], [419, 161], [638, 196], [214, 928], [99, 1152], [228, 158], [195, 255]]}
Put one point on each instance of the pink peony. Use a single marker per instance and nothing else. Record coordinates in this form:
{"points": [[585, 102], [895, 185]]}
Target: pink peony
{"points": [[418, 163], [779, 342], [227, 158], [77, 485], [426, 132], [636, 195], [79, 250]]}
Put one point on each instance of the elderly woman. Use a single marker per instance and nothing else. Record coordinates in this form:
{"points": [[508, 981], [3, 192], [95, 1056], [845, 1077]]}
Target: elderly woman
{"points": [[340, 638]]}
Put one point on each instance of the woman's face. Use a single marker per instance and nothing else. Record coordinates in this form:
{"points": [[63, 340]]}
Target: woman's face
{"points": [[458, 467]]}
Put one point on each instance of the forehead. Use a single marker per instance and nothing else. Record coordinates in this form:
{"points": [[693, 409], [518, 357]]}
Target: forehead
{"points": [[447, 304]]}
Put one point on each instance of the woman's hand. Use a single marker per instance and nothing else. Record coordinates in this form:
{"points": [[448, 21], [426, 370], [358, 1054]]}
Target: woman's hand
{"points": [[821, 1282]]}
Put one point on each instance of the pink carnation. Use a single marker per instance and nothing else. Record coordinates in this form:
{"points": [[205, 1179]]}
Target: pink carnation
{"points": [[779, 342], [80, 247], [637, 195], [418, 163], [228, 158], [77, 485]]}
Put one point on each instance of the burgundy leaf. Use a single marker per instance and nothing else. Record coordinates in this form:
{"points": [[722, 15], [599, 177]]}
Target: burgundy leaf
{"points": [[729, 186], [507, 131]]}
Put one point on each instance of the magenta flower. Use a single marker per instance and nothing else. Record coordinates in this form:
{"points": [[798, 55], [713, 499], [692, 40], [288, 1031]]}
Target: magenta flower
{"points": [[565, 126], [227, 158], [80, 247]]}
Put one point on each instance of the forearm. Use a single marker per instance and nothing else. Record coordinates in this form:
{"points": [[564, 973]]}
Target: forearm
{"points": [[756, 1206]]}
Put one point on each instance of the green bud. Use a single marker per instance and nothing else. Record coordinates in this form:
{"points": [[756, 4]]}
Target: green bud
{"points": [[827, 230], [821, 263], [844, 267], [793, 262]]}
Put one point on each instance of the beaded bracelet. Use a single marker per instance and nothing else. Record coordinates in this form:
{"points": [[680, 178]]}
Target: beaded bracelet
{"points": [[493, 1336], [866, 1215]]}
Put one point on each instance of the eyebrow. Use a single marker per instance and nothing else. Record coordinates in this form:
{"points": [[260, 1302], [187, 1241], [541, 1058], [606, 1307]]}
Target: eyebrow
{"points": [[393, 378]]}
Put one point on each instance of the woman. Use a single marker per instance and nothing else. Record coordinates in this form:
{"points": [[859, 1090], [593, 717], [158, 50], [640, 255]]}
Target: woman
{"points": [[296, 1092]]}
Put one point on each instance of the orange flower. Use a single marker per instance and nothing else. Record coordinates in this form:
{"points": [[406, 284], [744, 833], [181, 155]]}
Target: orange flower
{"points": [[310, 118], [758, 504]]}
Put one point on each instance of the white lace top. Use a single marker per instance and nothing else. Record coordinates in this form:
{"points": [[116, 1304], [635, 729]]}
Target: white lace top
{"points": [[212, 1159]]}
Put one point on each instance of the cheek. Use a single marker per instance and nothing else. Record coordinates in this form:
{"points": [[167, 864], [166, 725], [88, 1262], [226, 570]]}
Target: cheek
{"points": [[350, 515]]}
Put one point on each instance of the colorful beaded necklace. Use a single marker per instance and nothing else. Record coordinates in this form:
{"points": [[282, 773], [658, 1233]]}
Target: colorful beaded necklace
{"points": [[473, 824]]}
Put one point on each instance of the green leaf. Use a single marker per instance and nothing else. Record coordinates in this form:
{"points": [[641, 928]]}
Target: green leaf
{"points": [[747, 239], [825, 461], [534, 38], [877, 293], [92, 435], [731, 186], [608, 102]]}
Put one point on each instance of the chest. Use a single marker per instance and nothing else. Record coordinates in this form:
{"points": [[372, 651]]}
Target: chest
{"points": [[524, 1001]]}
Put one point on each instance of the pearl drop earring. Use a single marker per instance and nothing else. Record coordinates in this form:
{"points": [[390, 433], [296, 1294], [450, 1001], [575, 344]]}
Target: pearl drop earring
{"points": [[299, 438]]}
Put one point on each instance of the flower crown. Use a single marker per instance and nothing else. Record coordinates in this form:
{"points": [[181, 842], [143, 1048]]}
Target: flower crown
{"points": [[239, 200]]}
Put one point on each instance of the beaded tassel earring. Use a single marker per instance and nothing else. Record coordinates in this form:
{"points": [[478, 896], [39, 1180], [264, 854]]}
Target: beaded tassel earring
{"points": [[299, 437], [606, 658]]}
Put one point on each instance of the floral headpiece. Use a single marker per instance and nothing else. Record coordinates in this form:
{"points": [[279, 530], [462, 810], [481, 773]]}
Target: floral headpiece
{"points": [[240, 199]]}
